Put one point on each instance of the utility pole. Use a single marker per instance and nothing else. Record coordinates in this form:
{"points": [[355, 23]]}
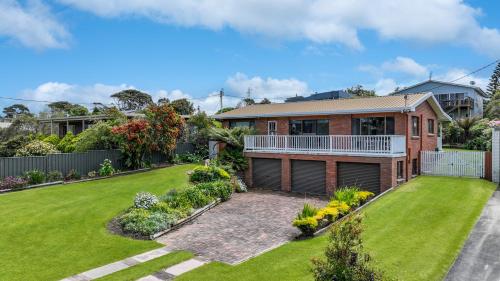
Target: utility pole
{"points": [[221, 94]]}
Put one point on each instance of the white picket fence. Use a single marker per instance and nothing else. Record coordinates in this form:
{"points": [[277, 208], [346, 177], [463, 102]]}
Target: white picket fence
{"points": [[496, 155], [452, 163]]}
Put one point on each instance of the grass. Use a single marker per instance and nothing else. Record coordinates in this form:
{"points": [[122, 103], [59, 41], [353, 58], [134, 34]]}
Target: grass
{"points": [[140, 270], [55, 232], [413, 233]]}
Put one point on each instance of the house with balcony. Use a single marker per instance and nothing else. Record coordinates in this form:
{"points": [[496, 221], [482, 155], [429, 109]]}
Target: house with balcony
{"points": [[314, 147], [457, 100]]}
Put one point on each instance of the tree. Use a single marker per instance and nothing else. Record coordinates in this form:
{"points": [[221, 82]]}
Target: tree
{"points": [[162, 101], [134, 140], [466, 124], [132, 99], [199, 132], [183, 106], [492, 110], [15, 110], [78, 110], [67, 108], [494, 84], [165, 127], [246, 102], [346, 259], [358, 91], [225, 109], [60, 106], [232, 155], [265, 101]]}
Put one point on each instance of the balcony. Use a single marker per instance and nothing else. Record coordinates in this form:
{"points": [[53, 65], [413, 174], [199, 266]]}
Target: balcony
{"points": [[351, 145]]}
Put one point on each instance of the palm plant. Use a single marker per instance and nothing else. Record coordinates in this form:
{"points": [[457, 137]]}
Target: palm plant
{"points": [[235, 142], [466, 124]]}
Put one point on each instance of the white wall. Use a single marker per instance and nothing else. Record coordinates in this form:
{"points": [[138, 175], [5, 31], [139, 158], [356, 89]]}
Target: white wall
{"points": [[496, 154]]}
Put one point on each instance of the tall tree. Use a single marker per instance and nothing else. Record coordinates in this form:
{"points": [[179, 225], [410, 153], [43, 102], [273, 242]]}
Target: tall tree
{"points": [[359, 91], [183, 106], [64, 107], [163, 101], [132, 99], [60, 106], [494, 84], [225, 109], [16, 110], [492, 110]]}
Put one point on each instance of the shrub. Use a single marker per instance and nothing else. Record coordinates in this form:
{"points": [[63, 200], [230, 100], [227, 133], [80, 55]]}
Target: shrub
{"points": [[306, 225], [175, 200], [363, 196], [197, 197], [144, 222], [98, 136], [187, 158], [106, 168], [13, 183], [34, 176], [73, 174], [307, 211], [341, 207], [52, 139], [67, 144], [327, 213], [54, 176], [145, 200], [36, 148], [209, 173], [216, 189], [92, 174], [163, 207], [348, 195], [345, 258]]}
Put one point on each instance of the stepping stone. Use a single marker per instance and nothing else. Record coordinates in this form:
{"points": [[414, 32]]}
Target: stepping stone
{"points": [[183, 267], [151, 255], [104, 270], [150, 278]]}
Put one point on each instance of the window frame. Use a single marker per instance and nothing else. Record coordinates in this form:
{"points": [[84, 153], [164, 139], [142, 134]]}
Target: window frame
{"points": [[415, 126], [271, 131], [431, 123], [359, 124], [300, 125]]}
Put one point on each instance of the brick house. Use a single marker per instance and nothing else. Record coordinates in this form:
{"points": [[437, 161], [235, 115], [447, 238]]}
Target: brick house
{"points": [[316, 146]]}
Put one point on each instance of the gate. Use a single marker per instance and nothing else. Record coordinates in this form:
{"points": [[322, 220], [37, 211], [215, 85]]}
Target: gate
{"points": [[453, 163]]}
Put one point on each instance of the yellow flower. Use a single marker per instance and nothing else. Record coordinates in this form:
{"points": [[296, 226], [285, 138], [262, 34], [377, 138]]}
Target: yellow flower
{"points": [[342, 207]]}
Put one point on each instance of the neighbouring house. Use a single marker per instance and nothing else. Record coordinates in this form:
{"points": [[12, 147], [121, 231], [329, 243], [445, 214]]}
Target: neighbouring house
{"points": [[331, 95], [315, 147], [457, 100]]}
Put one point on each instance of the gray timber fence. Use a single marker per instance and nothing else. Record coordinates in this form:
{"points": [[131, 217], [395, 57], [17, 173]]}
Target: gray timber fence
{"points": [[83, 162]]}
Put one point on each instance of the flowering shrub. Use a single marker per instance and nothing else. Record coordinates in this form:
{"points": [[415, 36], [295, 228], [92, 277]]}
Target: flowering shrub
{"points": [[363, 196], [342, 207], [34, 176], [135, 141], [36, 148], [144, 222], [347, 195], [106, 168], [306, 225], [197, 197], [209, 173], [54, 176], [13, 183], [330, 214], [145, 200], [217, 189], [165, 127]]}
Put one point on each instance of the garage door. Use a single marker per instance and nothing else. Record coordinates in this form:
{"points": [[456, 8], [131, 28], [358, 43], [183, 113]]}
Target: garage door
{"points": [[266, 173], [363, 175], [308, 176]]}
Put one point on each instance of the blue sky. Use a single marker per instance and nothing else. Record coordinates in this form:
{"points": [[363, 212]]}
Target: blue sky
{"points": [[85, 50]]}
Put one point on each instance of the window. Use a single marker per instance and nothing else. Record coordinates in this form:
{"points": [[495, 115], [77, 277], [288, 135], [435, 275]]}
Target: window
{"points": [[309, 127], [400, 169], [430, 126], [248, 124], [272, 128], [373, 126], [414, 166], [415, 126]]}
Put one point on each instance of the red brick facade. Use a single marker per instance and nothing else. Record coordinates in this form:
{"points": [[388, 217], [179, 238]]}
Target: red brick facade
{"points": [[341, 125]]}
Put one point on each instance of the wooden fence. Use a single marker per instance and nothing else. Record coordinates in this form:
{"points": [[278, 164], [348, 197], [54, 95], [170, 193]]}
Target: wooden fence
{"points": [[453, 163], [84, 162]]}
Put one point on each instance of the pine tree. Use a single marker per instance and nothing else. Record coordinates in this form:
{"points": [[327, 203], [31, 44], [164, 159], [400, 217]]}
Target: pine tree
{"points": [[494, 84]]}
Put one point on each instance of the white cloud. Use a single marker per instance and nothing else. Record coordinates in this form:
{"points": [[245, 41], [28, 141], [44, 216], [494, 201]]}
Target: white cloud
{"points": [[405, 65], [385, 86], [456, 73], [32, 25], [237, 86], [320, 21], [270, 88]]}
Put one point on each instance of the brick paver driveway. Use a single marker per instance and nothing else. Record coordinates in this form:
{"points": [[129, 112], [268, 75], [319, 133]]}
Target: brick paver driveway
{"points": [[242, 227]]}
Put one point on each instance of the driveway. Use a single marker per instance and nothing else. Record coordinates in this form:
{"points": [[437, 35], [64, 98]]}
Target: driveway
{"points": [[243, 227], [480, 256]]}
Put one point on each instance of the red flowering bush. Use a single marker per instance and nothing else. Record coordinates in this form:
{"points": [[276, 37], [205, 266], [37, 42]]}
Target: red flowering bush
{"points": [[165, 128], [135, 141]]}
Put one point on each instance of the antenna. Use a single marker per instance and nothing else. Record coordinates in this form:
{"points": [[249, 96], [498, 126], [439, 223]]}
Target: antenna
{"points": [[221, 94], [430, 76]]}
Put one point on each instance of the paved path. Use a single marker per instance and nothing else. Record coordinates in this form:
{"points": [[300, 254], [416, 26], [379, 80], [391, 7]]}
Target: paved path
{"points": [[480, 256], [245, 226]]}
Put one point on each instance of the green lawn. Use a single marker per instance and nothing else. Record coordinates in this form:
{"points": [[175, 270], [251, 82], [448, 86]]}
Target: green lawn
{"points": [[54, 232], [413, 233]]}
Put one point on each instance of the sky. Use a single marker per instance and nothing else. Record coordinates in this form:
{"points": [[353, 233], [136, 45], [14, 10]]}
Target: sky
{"points": [[83, 51]]}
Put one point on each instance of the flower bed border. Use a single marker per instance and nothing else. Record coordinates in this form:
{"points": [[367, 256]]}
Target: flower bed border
{"points": [[186, 220], [325, 228], [46, 184]]}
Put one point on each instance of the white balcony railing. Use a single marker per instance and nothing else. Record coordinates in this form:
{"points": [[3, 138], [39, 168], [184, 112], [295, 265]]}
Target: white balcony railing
{"points": [[332, 144]]}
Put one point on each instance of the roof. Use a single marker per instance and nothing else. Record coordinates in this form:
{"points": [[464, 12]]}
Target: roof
{"points": [[321, 96], [477, 89], [340, 106]]}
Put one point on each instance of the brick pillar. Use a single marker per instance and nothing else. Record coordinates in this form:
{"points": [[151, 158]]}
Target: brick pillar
{"points": [[331, 176], [386, 175], [286, 184], [248, 173]]}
